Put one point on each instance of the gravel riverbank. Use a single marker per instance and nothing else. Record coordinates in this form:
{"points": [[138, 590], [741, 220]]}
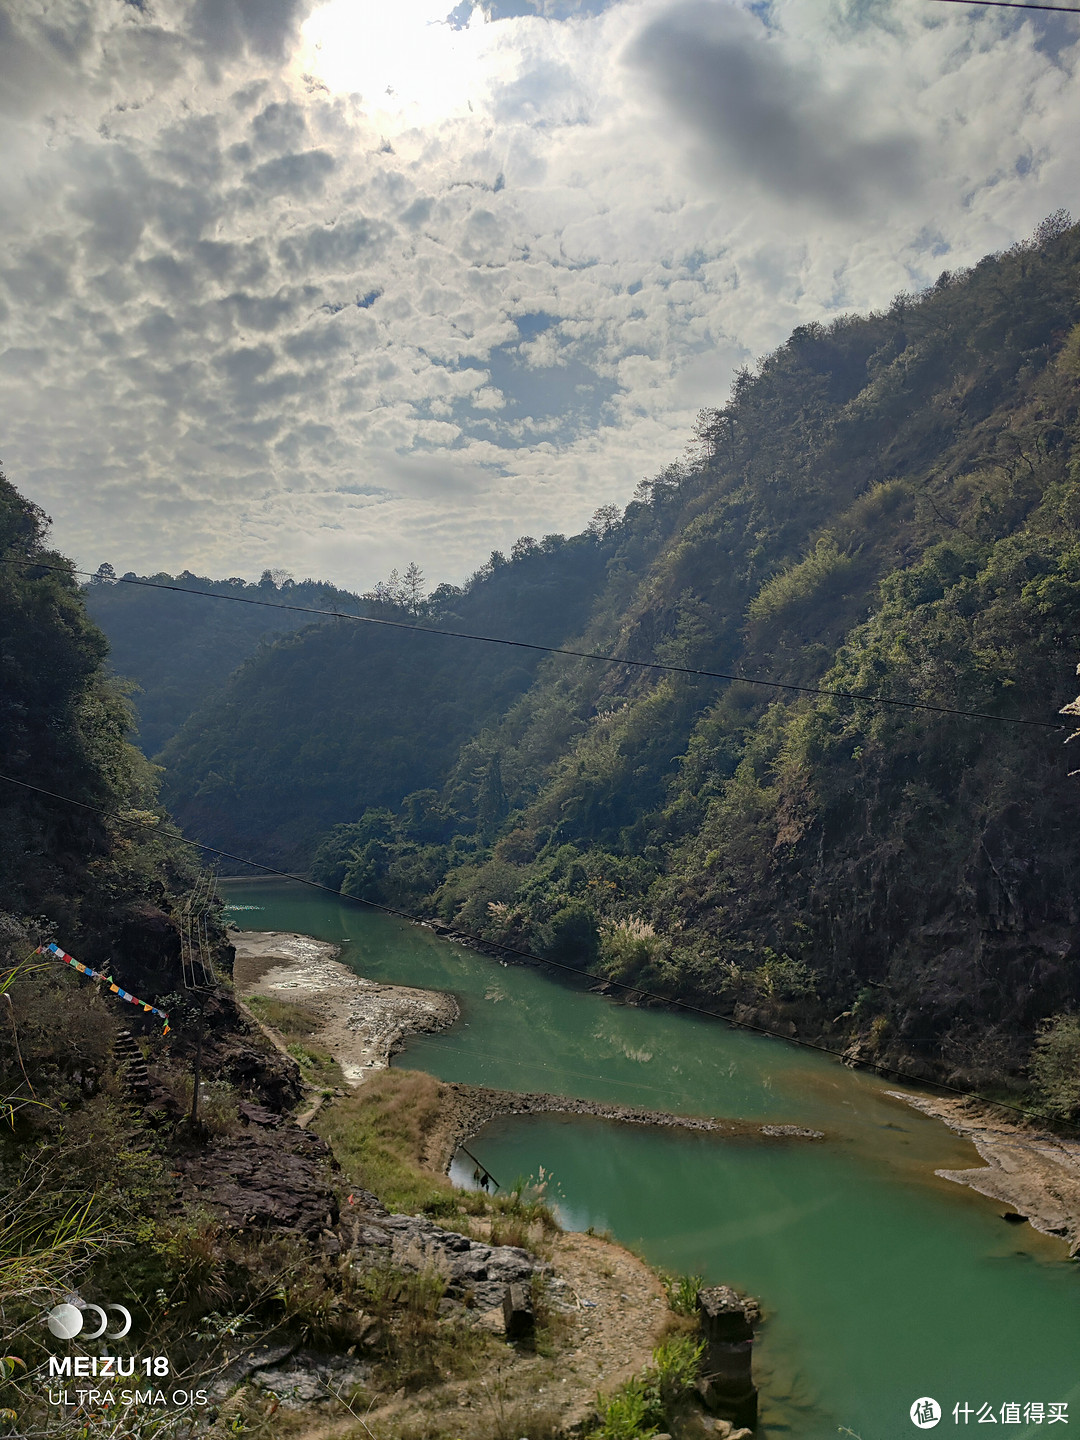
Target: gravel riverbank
{"points": [[362, 1022]]}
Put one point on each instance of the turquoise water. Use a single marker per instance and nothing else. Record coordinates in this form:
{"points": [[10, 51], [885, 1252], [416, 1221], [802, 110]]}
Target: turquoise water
{"points": [[880, 1282]]}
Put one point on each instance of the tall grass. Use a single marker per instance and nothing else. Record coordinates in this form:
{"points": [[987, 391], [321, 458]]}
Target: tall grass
{"points": [[379, 1136]]}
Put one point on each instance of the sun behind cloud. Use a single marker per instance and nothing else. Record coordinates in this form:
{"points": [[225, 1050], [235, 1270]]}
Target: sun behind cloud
{"points": [[409, 62]]}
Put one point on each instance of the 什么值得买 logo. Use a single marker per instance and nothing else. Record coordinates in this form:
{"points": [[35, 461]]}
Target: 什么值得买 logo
{"points": [[68, 1320], [925, 1413]]}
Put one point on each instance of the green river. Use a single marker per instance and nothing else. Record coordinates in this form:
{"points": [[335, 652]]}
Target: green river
{"points": [[880, 1282]]}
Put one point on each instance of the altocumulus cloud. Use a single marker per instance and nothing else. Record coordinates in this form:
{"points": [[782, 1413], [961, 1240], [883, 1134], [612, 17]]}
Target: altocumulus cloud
{"points": [[255, 311]]}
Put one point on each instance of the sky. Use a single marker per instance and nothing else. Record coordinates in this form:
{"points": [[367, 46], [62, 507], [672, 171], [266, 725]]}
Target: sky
{"points": [[333, 288]]}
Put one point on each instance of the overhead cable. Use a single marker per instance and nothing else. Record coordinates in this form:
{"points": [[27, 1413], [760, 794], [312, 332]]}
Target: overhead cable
{"points": [[1015, 5], [733, 677]]}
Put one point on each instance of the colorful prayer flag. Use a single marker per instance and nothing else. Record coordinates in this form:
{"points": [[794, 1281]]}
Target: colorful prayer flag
{"points": [[54, 950]]}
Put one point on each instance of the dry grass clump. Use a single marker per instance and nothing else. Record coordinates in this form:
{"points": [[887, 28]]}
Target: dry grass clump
{"points": [[503, 1407], [378, 1135], [293, 1022]]}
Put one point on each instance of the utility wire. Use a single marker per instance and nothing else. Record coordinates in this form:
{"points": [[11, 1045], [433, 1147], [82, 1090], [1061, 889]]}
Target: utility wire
{"points": [[528, 955], [1015, 5], [733, 677]]}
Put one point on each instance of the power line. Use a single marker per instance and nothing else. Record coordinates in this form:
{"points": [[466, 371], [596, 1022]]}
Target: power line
{"points": [[528, 955], [1015, 5], [733, 677]]}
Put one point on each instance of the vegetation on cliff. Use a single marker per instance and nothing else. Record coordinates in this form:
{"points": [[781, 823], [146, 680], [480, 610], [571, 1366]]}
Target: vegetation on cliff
{"points": [[181, 648]]}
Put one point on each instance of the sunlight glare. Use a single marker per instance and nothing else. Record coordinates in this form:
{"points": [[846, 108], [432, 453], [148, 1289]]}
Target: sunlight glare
{"points": [[403, 58]]}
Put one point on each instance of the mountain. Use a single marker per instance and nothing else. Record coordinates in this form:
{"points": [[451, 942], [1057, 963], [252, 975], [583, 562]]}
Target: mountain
{"points": [[180, 648], [346, 716], [887, 506]]}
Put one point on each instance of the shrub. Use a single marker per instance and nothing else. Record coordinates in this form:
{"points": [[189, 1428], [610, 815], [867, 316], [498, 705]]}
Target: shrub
{"points": [[1055, 1066], [628, 1415], [818, 574], [572, 936], [780, 977], [652, 1399], [629, 947]]}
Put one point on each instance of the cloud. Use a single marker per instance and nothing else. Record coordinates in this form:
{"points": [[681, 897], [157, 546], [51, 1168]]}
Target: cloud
{"points": [[769, 119], [262, 29], [250, 319], [301, 176]]}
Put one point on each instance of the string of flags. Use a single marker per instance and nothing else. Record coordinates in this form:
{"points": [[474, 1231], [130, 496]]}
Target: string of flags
{"points": [[58, 954]]}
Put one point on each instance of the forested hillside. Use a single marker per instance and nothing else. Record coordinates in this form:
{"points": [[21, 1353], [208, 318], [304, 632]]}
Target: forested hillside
{"points": [[106, 883], [180, 648], [343, 717], [888, 505]]}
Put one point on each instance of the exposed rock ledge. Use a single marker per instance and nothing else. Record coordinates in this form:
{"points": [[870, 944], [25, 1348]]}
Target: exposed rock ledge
{"points": [[465, 1109], [1035, 1172], [363, 1023]]}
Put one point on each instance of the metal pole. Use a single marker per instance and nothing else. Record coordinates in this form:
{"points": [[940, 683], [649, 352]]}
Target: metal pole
{"points": [[480, 1165], [197, 1072]]}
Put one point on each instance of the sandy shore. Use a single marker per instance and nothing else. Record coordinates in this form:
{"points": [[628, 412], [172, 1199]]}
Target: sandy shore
{"points": [[1033, 1171], [362, 1022]]}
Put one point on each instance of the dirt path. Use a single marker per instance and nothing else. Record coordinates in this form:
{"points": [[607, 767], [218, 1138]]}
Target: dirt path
{"points": [[1035, 1172]]}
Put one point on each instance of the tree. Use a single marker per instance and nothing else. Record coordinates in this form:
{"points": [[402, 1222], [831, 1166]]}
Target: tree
{"points": [[412, 589], [1054, 225], [104, 574], [604, 521], [492, 806], [1055, 1065]]}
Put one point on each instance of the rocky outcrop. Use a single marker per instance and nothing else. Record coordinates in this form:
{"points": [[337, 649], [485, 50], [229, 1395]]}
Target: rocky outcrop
{"points": [[468, 1108], [272, 1175], [307, 1378], [476, 1274], [295, 1377]]}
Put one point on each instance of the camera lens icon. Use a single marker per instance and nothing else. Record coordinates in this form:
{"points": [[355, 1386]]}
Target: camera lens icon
{"points": [[66, 1321]]}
